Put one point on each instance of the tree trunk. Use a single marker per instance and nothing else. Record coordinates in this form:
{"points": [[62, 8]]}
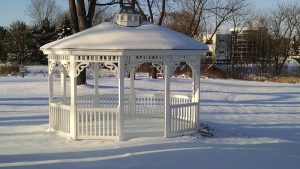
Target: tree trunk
{"points": [[150, 11], [161, 17], [81, 20], [83, 24], [81, 79], [91, 13], [163, 12], [154, 73], [74, 17]]}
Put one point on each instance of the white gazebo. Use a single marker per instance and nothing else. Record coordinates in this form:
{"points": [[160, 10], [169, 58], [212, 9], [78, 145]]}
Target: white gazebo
{"points": [[122, 49]]}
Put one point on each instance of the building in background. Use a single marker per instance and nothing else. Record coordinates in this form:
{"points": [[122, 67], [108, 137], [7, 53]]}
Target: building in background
{"points": [[248, 45], [245, 45], [219, 46]]}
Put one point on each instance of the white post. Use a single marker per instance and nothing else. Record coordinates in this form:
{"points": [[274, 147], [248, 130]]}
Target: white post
{"points": [[96, 85], [63, 85], [50, 79], [51, 95], [121, 65], [73, 106], [167, 100], [194, 85], [132, 92], [196, 92]]}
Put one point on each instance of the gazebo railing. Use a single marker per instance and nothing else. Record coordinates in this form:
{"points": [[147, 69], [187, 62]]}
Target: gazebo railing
{"points": [[183, 118], [59, 117], [93, 123], [97, 116], [149, 105], [180, 99], [144, 103]]}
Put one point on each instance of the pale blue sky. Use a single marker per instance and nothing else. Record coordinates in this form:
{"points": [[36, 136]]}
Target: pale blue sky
{"points": [[12, 10], [269, 4]]}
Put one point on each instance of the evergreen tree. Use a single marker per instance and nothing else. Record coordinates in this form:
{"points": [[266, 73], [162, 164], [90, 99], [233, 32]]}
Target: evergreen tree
{"points": [[3, 55], [42, 34], [65, 27], [18, 44]]}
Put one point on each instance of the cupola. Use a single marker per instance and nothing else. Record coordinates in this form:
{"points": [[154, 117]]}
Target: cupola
{"points": [[127, 15]]}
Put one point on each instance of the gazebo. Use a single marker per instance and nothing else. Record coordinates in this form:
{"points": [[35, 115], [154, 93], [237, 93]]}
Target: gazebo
{"points": [[121, 49]]}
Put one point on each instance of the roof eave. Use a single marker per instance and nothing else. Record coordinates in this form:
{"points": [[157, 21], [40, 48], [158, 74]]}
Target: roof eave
{"points": [[126, 52]]}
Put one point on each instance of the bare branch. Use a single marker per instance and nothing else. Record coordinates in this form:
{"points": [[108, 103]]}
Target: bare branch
{"points": [[40, 10]]}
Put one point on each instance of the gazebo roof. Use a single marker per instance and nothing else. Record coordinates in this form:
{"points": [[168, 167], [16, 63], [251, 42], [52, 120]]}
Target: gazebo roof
{"points": [[110, 36]]}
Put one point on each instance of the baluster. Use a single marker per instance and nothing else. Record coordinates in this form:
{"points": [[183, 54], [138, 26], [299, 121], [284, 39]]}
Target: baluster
{"points": [[68, 121], [100, 123], [103, 123], [177, 120], [189, 117], [181, 114], [107, 126], [86, 122], [62, 121], [95, 123], [112, 123], [174, 119], [186, 117]]}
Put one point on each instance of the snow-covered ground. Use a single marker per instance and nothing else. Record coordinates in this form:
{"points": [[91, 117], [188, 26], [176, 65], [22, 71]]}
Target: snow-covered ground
{"points": [[257, 125]]}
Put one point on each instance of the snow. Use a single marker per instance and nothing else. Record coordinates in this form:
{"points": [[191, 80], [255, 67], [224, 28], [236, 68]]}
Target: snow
{"points": [[257, 125], [111, 36]]}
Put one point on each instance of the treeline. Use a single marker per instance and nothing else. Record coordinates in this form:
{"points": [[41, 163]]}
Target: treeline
{"points": [[20, 42]]}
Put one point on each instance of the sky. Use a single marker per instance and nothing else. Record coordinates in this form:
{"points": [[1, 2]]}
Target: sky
{"points": [[12, 10]]}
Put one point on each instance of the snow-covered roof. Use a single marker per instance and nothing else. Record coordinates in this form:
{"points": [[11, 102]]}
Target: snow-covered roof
{"points": [[110, 36]]}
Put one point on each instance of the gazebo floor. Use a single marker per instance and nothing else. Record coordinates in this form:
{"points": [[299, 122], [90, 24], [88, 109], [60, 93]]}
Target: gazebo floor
{"points": [[138, 127]]}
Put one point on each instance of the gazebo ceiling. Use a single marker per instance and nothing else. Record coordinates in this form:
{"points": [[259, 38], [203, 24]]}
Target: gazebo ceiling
{"points": [[110, 36]]}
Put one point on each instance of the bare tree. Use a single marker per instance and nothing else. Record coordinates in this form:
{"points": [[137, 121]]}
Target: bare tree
{"points": [[103, 14], [162, 13], [160, 21], [188, 17], [152, 10], [150, 5], [263, 43], [82, 18], [284, 26], [82, 15], [40, 10], [239, 19], [154, 7], [222, 11], [193, 17]]}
